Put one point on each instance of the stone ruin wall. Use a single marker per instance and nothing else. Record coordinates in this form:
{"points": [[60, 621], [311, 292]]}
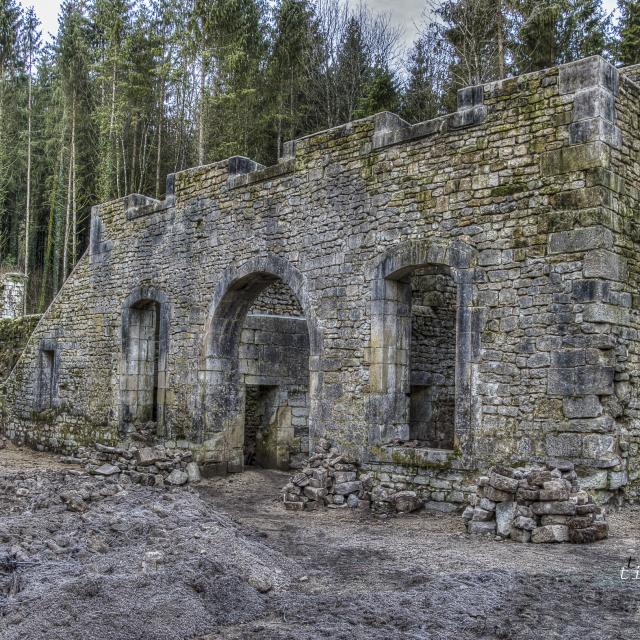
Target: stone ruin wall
{"points": [[527, 194], [12, 293]]}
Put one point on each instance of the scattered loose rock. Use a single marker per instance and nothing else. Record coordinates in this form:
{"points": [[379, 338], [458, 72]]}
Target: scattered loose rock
{"points": [[540, 506], [329, 478]]}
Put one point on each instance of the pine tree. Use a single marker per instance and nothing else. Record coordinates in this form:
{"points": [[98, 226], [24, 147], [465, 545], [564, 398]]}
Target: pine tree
{"points": [[31, 47], [10, 26], [426, 71], [550, 32], [288, 80], [111, 25], [73, 62], [352, 69], [380, 92], [629, 32], [234, 102]]}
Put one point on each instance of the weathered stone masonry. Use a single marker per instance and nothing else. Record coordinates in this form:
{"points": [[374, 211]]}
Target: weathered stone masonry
{"points": [[504, 236]]}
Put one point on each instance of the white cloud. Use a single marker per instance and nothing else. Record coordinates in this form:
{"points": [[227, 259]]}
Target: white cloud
{"points": [[47, 12]]}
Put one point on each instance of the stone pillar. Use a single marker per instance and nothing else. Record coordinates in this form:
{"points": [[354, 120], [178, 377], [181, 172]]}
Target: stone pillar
{"points": [[12, 293]]}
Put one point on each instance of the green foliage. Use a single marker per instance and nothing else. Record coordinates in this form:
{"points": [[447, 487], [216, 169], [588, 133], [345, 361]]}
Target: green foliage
{"points": [[422, 98], [550, 32], [629, 32]]}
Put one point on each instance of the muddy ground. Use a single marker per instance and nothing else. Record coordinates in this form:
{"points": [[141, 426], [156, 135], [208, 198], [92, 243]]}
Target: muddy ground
{"points": [[89, 558]]}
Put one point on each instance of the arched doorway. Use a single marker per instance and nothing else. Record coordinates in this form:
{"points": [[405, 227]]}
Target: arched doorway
{"points": [[145, 320], [260, 347], [422, 344]]}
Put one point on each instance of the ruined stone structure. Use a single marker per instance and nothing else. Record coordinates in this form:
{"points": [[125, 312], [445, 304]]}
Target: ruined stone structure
{"points": [[468, 283], [12, 293]]}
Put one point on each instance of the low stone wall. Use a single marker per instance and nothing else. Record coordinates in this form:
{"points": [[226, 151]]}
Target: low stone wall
{"points": [[438, 477], [14, 334]]}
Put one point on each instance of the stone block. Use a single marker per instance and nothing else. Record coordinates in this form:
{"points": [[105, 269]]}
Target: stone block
{"points": [[467, 514], [315, 493], [148, 456], [601, 263], [595, 129], [559, 508], [487, 505], [587, 73], [177, 477], [440, 507], [505, 513], [581, 381], [599, 312], [481, 515], [579, 240], [594, 102], [106, 470], [582, 407], [482, 528], [553, 494], [406, 501], [344, 476], [344, 488], [527, 495], [617, 480], [597, 446], [550, 533], [193, 471], [503, 483], [495, 495], [546, 520], [520, 535], [580, 522], [594, 481], [520, 522], [575, 158]]}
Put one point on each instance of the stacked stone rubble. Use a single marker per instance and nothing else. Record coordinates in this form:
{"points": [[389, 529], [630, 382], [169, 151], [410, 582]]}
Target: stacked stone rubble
{"points": [[151, 466], [537, 505], [328, 478]]}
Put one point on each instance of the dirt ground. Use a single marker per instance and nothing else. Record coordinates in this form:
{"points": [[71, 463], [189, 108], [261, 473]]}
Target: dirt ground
{"points": [[224, 560]]}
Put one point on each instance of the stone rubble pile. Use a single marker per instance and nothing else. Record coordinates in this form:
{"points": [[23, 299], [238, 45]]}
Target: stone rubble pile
{"points": [[328, 478], [538, 505], [149, 466]]}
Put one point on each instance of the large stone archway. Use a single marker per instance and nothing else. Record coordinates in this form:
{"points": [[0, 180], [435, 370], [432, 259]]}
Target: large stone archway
{"points": [[225, 375], [397, 386]]}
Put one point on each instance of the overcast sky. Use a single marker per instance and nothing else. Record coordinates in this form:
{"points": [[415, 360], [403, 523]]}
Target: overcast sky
{"points": [[405, 14]]}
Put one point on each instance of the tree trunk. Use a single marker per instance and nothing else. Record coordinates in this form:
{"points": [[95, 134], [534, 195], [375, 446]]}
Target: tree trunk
{"points": [[159, 150], [201, 114], [112, 123], [27, 218], [67, 221], [500, 38], [74, 218]]}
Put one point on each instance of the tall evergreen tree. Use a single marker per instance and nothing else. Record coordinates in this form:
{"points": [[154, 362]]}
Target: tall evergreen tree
{"points": [[379, 93], [629, 32], [550, 32], [288, 80], [31, 47], [111, 25], [73, 62], [426, 72], [10, 26]]}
